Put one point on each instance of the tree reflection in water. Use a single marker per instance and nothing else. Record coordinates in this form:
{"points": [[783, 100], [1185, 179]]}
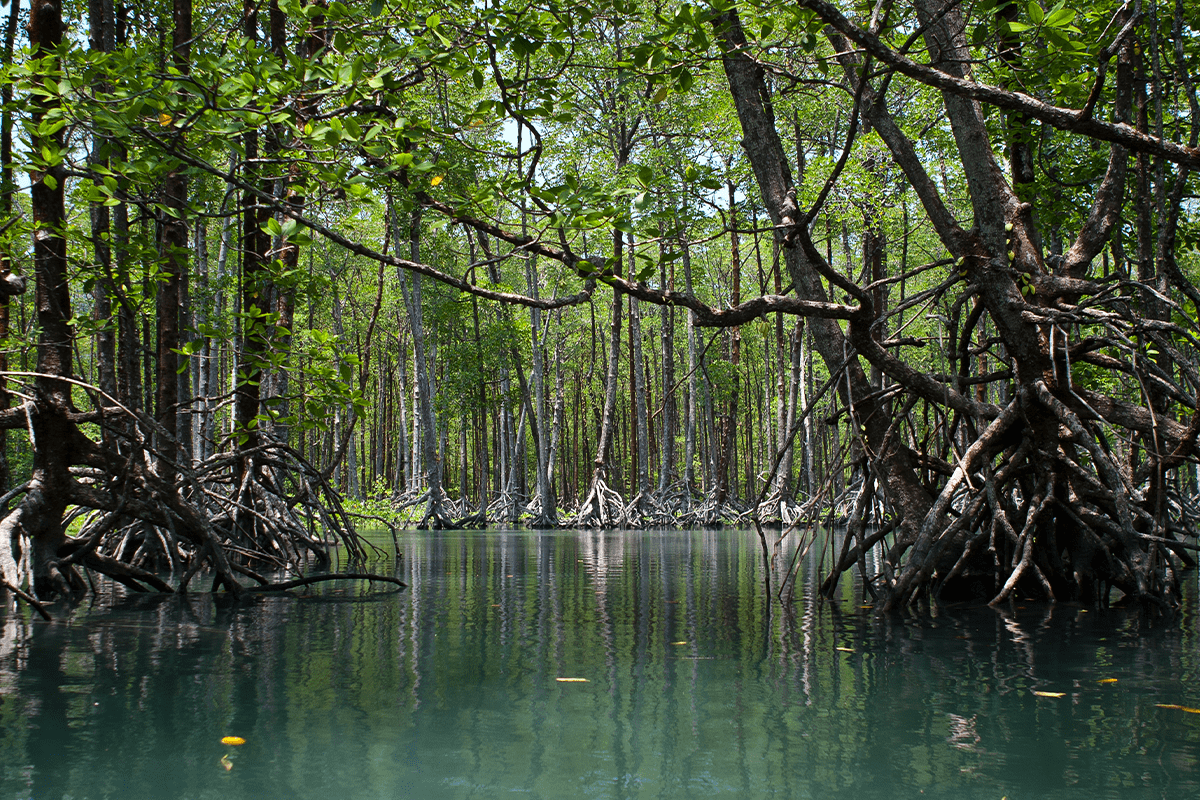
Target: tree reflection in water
{"points": [[694, 686]]}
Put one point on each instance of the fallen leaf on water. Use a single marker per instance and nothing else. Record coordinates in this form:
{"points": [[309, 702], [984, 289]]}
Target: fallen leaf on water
{"points": [[232, 740], [226, 763], [678, 642], [572, 680], [846, 649], [1107, 680], [1178, 707], [866, 606], [1050, 694]]}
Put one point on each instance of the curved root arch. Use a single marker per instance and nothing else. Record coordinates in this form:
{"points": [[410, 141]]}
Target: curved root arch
{"points": [[105, 507]]}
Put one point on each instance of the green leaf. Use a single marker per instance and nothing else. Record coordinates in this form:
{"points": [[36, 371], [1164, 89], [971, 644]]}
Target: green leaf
{"points": [[1060, 18], [1035, 12], [1056, 37]]}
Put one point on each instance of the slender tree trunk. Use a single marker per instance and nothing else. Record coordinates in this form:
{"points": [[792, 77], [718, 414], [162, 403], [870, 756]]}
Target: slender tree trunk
{"points": [[666, 469], [727, 425], [640, 390], [175, 265], [689, 439], [202, 317], [102, 26], [539, 420], [8, 187], [410, 286], [255, 243], [404, 477]]}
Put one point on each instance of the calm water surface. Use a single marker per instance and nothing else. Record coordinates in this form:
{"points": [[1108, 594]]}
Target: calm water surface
{"points": [[691, 688]]}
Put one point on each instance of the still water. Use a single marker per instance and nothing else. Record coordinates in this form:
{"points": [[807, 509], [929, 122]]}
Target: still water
{"points": [[689, 687]]}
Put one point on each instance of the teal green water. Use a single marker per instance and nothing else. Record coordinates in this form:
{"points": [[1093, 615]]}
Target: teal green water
{"points": [[692, 688]]}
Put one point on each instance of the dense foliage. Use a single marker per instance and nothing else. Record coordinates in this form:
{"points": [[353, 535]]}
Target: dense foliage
{"points": [[923, 269]]}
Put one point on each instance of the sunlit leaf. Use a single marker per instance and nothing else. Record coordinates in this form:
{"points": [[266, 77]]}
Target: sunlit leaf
{"points": [[1049, 694]]}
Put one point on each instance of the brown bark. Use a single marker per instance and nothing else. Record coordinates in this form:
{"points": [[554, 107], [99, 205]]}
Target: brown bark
{"points": [[255, 297], [39, 516], [175, 264]]}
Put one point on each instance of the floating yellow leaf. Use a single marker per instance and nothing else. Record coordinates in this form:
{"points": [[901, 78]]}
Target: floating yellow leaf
{"points": [[1050, 694], [572, 680], [164, 120], [436, 180], [846, 649], [1188, 709], [866, 606], [232, 740], [1107, 680], [678, 642], [226, 763]]}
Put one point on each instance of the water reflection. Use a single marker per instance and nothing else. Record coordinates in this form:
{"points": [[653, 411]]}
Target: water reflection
{"points": [[694, 687]]}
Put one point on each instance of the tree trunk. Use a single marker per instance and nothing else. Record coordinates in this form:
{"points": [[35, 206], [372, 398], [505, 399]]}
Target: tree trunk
{"points": [[431, 461], [639, 391], [175, 266], [8, 187], [34, 530], [255, 243], [727, 425]]}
